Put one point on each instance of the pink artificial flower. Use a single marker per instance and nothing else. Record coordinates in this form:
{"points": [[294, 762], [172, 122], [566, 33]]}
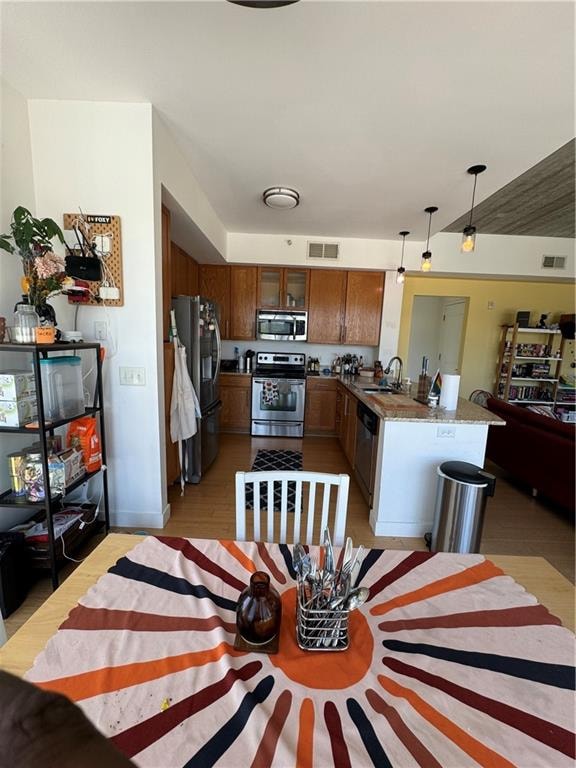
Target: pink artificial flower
{"points": [[48, 264]]}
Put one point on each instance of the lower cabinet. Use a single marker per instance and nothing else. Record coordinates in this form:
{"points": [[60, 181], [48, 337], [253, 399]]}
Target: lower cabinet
{"points": [[235, 394], [346, 419], [320, 414]]}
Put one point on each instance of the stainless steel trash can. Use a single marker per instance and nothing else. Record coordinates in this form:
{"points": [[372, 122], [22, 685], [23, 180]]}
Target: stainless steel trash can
{"points": [[460, 503]]}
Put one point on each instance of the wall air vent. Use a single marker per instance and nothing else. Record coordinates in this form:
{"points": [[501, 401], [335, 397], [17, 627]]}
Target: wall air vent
{"points": [[553, 262], [319, 251]]}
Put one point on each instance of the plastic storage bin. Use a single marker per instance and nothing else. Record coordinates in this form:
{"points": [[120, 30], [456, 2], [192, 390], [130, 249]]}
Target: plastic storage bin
{"points": [[62, 392]]}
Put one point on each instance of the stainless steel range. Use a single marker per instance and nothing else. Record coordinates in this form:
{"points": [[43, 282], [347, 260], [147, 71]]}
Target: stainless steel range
{"points": [[278, 394]]}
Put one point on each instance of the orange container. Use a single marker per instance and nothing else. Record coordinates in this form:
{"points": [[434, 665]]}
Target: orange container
{"points": [[45, 334]]}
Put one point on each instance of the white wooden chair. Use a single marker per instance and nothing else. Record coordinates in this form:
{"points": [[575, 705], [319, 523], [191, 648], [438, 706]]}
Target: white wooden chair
{"points": [[306, 487], [3, 637]]}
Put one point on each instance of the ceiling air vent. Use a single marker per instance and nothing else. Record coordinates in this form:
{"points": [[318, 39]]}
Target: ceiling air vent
{"points": [[553, 262], [323, 251]]}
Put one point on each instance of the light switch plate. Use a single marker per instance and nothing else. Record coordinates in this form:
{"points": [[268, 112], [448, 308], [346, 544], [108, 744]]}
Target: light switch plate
{"points": [[132, 377], [100, 330]]}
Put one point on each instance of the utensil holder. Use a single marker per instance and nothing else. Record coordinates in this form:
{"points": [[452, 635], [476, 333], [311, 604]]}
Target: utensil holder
{"points": [[320, 629]]}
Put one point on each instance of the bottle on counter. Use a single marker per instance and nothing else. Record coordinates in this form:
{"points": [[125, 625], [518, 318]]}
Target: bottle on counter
{"points": [[259, 610]]}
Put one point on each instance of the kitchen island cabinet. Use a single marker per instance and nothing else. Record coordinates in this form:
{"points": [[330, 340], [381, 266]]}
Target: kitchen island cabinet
{"points": [[235, 394], [413, 440], [320, 414]]}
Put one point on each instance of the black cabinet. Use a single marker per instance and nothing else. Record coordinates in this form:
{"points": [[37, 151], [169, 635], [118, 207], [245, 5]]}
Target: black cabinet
{"points": [[58, 547]]}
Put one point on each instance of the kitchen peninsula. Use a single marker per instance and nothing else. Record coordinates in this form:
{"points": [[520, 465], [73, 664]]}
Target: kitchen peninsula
{"points": [[412, 441]]}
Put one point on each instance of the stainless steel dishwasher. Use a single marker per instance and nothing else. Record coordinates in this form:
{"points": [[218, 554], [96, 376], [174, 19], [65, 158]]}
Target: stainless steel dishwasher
{"points": [[366, 447]]}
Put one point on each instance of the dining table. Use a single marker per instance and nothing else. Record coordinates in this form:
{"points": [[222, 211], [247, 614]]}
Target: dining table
{"points": [[452, 661]]}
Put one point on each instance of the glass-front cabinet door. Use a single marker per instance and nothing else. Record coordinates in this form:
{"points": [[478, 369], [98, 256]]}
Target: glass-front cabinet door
{"points": [[270, 287], [296, 288], [283, 287]]}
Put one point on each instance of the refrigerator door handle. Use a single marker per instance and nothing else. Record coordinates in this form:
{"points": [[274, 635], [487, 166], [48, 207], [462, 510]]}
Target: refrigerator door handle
{"points": [[218, 351], [213, 410]]}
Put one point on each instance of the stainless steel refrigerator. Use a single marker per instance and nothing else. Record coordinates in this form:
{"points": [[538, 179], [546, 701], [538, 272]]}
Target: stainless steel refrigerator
{"points": [[197, 324]]}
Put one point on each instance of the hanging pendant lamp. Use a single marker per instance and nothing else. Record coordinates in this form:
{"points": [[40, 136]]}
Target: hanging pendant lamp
{"points": [[469, 232], [400, 272], [426, 265]]}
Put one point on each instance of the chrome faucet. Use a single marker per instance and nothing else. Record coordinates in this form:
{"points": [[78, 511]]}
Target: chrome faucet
{"points": [[398, 383]]}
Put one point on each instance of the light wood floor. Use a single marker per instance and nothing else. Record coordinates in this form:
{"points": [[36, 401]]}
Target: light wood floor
{"points": [[515, 523]]}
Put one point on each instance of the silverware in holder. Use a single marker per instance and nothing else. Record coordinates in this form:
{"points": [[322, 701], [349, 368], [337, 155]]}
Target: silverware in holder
{"points": [[320, 629]]}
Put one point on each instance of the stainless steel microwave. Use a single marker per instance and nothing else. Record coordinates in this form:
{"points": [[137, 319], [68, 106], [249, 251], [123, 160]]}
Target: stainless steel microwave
{"points": [[281, 325]]}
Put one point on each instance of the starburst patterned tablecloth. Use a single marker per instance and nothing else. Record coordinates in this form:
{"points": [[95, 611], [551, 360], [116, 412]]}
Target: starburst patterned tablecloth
{"points": [[451, 664]]}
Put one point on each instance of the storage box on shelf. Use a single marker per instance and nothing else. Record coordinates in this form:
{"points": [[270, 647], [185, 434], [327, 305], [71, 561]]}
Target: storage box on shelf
{"points": [[58, 391], [528, 367]]}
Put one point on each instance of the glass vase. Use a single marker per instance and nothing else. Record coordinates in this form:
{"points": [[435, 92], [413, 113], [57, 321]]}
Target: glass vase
{"points": [[259, 610]]}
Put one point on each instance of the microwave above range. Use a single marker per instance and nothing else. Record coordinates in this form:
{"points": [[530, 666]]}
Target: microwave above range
{"points": [[281, 325]]}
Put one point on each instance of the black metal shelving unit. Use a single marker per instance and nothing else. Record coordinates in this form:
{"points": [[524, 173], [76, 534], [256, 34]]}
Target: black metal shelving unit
{"points": [[39, 351]]}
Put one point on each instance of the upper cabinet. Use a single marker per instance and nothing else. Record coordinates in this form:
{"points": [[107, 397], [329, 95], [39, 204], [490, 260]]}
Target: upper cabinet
{"points": [[243, 295], [214, 284], [283, 287], [345, 307], [234, 289], [327, 306], [364, 293]]}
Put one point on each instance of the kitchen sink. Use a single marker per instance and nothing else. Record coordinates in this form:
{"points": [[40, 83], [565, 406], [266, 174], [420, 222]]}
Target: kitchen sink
{"points": [[386, 390]]}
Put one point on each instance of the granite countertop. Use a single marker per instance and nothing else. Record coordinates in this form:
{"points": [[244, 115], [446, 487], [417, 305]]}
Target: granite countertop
{"points": [[401, 407]]}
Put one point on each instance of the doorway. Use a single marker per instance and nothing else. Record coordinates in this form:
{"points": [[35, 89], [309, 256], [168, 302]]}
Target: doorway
{"points": [[437, 332]]}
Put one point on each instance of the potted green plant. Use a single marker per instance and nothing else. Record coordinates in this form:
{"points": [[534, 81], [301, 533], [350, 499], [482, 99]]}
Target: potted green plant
{"points": [[44, 270]]}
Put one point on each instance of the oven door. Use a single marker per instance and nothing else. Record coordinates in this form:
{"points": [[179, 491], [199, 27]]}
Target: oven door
{"points": [[278, 399]]}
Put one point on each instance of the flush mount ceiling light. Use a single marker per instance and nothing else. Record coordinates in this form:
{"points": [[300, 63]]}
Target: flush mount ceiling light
{"points": [[469, 233], [400, 272], [263, 3], [281, 197], [426, 265]]}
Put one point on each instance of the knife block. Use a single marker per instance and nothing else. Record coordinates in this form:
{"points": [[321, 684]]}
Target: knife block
{"points": [[424, 384]]}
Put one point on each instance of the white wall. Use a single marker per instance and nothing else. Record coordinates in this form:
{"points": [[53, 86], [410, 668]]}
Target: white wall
{"points": [[494, 255], [16, 188], [98, 156], [17, 185]]}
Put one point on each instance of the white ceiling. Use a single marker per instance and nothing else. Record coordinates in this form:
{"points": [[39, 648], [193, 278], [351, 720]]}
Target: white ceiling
{"points": [[372, 110]]}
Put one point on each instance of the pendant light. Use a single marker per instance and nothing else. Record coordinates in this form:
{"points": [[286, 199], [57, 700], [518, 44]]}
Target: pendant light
{"points": [[400, 272], [426, 265], [469, 232]]}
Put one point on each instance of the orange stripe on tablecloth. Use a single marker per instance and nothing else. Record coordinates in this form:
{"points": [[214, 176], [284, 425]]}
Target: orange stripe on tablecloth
{"points": [[304, 750], [473, 575], [482, 754], [107, 679], [246, 562]]}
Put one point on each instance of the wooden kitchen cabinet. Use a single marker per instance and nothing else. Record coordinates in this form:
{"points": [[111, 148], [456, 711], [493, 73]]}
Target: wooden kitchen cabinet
{"points": [[234, 289], [327, 306], [184, 271], [346, 417], [283, 287], [320, 414], [364, 292], [214, 284], [243, 296], [235, 394]]}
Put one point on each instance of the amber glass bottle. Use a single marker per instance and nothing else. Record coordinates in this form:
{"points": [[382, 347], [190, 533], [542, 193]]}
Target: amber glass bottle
{"points": [[259, 610]]}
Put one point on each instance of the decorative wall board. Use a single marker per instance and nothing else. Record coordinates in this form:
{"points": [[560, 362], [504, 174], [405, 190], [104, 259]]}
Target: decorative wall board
{"points": [[108, 227]]}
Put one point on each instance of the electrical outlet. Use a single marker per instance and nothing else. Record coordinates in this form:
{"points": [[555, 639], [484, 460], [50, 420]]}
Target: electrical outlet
{"points": [[446, 432], [100, 330], [132, 377]]}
